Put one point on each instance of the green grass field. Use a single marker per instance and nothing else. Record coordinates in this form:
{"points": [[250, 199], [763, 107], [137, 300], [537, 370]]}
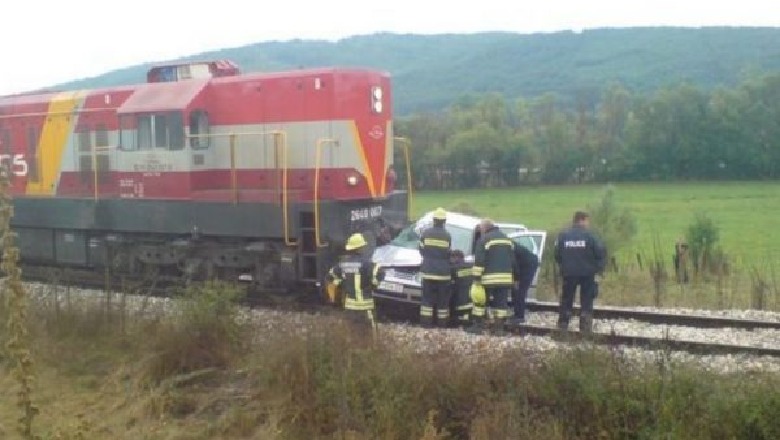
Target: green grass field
{"points": [[746, 212]]}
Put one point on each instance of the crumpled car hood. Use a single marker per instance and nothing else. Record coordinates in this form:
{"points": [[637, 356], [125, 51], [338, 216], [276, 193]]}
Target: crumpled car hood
{"points": [[396, 256]]}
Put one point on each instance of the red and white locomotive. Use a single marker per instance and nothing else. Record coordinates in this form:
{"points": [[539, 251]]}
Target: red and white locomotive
{"points": [[204, 172]]}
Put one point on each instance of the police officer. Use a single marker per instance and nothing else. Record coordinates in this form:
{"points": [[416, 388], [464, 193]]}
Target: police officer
{"points": [[526, 264], [580, 256], [356, 276], [435, 244], [493, 265], [463, 275]]}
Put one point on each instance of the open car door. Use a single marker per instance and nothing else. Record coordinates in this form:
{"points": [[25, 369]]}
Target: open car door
{"points": [[534, 242]]}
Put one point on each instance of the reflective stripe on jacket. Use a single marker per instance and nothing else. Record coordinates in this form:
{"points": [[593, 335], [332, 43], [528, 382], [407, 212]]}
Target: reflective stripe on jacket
{"points": [[435, 244], [463, 275], [356, 276], [494, 259]]}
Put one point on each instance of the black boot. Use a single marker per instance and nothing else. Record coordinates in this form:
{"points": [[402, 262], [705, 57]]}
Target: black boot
{"points": [[477, 326], [563, 321], [586, 323], [517, 321], [463, 321], [498, 327]]}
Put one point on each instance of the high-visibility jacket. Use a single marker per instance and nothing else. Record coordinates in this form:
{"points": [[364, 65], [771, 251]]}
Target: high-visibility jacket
{"points": [[494, 259], [356, 276], [435, 244], [463, 275]]}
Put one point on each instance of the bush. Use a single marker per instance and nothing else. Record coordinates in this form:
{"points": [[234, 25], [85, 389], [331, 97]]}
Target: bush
{"points": [[328, 389], [616, 226], [318, 378], [702, 237], [204, 331]]}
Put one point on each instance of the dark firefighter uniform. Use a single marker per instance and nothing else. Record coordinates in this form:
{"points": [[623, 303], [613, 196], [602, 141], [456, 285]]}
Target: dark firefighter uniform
{"points": [[356, 276], [435, 244], [493, 265], [526, 264], [580, 256], [462, 275]]}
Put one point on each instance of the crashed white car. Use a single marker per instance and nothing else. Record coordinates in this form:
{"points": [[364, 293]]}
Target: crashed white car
{"points": [[400, 259]]}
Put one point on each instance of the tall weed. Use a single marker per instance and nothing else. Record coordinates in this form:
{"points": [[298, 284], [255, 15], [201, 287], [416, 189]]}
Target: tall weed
{"points": [[204, 330], [17, 339]]}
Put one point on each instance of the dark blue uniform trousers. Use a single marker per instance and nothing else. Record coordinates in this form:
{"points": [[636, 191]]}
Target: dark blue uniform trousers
{"points": [[520, 295], [587, 285]]}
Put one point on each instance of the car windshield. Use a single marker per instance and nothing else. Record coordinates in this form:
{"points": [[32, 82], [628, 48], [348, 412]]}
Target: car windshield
{"points": [[461, 238]]}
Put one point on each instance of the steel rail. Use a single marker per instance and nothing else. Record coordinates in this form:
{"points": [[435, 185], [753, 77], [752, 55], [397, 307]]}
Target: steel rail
{"points": [[161, 286], [666, 318], [647, 342]]}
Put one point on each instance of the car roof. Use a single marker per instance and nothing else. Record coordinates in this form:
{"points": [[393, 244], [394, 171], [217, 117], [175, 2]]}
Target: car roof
{"points": [[465, 221], [520, 233]]}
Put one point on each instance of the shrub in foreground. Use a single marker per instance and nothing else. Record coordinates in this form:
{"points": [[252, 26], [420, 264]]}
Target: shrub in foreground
{"points": [[203, 331], [319, 378], [331, 388]]}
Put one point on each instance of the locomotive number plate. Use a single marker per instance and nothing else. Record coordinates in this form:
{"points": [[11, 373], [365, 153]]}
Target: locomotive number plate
{"points": [[365, 213]]}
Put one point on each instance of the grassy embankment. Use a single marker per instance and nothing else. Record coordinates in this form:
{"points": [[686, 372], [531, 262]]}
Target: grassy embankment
{"points": [[747, 214], [106, 371]]}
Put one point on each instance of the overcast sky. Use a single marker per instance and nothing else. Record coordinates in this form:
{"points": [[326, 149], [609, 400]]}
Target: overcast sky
{"points": [[45, 42]]}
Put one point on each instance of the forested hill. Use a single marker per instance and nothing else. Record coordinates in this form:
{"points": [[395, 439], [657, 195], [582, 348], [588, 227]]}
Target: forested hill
{"points": [[431, 72]]}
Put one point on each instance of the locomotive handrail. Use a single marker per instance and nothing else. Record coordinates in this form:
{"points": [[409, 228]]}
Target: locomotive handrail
{"points": [[277, 134], [285, 214], [94, 171], [318, 157], [406, 143], [93, 153]]}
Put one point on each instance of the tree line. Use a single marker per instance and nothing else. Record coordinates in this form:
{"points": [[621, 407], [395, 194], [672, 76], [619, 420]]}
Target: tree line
{"points": [[678, 132]]}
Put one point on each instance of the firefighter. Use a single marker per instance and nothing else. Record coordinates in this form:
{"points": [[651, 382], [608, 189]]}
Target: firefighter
{"points": [[435, 244], [462, 273], [493, 265], [526, 264], [355, 275], [580, 256]]}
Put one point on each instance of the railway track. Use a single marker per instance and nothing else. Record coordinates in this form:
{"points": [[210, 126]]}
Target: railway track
{"points": [[705, 323], [156, 287], [685, 320], [647, 342]]}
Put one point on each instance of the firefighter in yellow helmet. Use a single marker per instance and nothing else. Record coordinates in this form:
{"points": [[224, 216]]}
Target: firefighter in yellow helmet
{"points": [[493, 276], [435, 245], [356, 276]]}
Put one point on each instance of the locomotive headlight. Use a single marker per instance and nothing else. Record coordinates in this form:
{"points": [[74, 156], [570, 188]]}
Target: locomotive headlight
{"points": [[376, 99], [352, 180]]}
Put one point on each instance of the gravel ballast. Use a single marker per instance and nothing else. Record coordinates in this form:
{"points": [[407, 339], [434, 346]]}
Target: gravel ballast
{"points": [[469, 346]]}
